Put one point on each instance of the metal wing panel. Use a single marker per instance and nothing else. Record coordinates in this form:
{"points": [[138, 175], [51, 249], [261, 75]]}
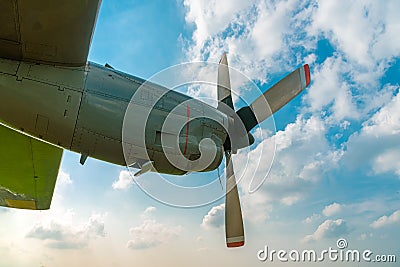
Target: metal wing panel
{"points": [[28, 170], [47, 31]]}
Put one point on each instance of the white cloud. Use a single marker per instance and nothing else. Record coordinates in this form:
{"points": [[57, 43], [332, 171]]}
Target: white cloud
{"points": [[347, 84], [215, 217], [260, 133], [256, 207], [148, 212], [302, 156], [387, 44], [124, 181], [364, 236], [387, 120], [332, 209], [342, 91], [345, 91], [211, 17], [60, 235], [63, 178], [372, 23], [328, 229], [378, 142], [387, 220], [151, 233], [330, 91], [270, 26], [257, 33], [333, 17], [388, 161], [312, 218], [300, 133], [290, 200]]}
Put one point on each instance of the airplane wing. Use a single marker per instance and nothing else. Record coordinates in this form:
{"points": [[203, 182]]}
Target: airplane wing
{"points": [[28, 170], [47, 31]]}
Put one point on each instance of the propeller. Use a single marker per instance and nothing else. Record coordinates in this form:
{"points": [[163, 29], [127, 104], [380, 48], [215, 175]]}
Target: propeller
{"points": [[240, 124]]}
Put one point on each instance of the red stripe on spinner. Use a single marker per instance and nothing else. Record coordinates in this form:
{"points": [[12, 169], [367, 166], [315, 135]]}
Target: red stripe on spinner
{"points": [[187, 129]]}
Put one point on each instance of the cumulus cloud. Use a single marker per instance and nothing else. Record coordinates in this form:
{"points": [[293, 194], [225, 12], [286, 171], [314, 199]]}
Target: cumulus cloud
{"points": [[330, 91], [386, 121], [215, 217], [388, 161], [332, 19], [387, 220], [302, 156], [151, 233], [59, 235], [290, 200], [255, 33], [265, 38], [365, 236], [303, 137], [347, 84], [256, 207], [312, 218], [63, 178], [371, 24], [148, 212], [332, 209], [378, 142], [124, 181], [328, 229], [207, 21]]}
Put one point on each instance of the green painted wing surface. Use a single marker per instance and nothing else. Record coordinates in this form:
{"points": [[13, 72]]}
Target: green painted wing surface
{"points": [[28, 170]]}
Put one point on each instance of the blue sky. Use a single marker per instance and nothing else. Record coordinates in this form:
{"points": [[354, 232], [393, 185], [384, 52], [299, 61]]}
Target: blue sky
{"points": [[335, 173]]}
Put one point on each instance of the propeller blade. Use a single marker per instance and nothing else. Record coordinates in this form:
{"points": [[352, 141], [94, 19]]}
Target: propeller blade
{"points": [[276, 97], [224, 84], [234, 231]]}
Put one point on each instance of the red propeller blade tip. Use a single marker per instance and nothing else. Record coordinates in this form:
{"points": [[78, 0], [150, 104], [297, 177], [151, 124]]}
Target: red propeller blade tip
{"points": [[307, 74], [235, 244]]}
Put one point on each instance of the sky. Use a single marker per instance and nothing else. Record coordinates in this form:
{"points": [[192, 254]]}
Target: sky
{"points": [[335, 172]]}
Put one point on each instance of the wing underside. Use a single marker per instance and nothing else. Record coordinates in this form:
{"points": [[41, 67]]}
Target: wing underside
{"points": [[47, 31], [28, 170]]}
